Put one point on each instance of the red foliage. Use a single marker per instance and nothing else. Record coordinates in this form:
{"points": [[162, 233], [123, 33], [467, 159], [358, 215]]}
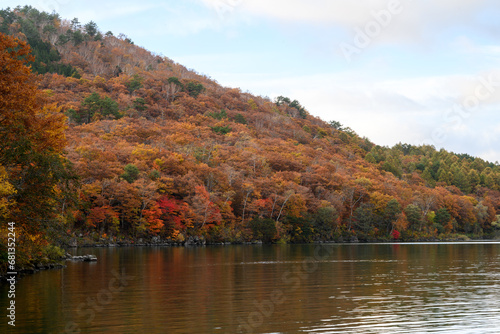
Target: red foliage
{"points": [[267, 162], [172, 211]]}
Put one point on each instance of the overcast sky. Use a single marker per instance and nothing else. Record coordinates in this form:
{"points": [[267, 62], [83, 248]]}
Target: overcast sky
{"points": [[394, 71]]}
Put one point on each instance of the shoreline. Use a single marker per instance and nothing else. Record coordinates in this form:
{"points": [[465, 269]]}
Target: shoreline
{"points": [[61, 263], [200, 241]]}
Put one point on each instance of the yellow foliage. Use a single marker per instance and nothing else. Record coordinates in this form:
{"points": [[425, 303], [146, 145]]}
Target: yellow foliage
{"points": [[252, 104], [6, 189], [52, 126], [107, 136], [472, 200], [177, 236], [165, 185], [296, 205], [144, 152], [99, 80], [84, 82], [379, 201], [159, 162], [364, 182], [178, 156]]}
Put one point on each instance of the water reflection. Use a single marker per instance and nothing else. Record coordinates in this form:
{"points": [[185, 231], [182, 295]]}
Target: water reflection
{"points": [[367, 288]]}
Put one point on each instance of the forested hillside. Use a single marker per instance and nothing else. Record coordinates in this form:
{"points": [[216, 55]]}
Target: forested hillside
{"points": [[153, 149]]}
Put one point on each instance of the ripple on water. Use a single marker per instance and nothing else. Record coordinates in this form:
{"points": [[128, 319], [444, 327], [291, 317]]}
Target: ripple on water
{"points": [[449, 302]]}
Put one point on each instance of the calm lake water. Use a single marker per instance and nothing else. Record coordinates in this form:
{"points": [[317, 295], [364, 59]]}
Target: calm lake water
{"points": [[334, 288]]}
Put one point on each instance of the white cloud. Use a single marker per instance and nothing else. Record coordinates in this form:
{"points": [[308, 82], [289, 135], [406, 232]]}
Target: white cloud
{"points": [[389, 111], [357, 12], [410, 20]]}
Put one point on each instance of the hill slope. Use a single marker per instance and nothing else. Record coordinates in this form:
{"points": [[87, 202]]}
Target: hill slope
{"points": [[161, 150]]}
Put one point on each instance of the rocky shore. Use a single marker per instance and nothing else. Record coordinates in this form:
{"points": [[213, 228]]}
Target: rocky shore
{"points": [[154, 241], [52, 265]]}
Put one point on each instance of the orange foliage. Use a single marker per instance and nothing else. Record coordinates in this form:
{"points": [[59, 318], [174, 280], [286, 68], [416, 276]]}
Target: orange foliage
{"points": [[192, 177]]}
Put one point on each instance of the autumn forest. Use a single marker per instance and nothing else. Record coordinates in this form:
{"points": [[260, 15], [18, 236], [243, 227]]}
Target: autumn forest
{"points": [[104, 142]]}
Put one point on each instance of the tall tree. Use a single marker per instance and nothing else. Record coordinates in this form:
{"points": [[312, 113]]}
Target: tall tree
{"points": [[91, 28], [31, 138]]}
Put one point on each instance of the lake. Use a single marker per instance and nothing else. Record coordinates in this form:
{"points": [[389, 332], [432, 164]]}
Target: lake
{"points": [[330, 288]]}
